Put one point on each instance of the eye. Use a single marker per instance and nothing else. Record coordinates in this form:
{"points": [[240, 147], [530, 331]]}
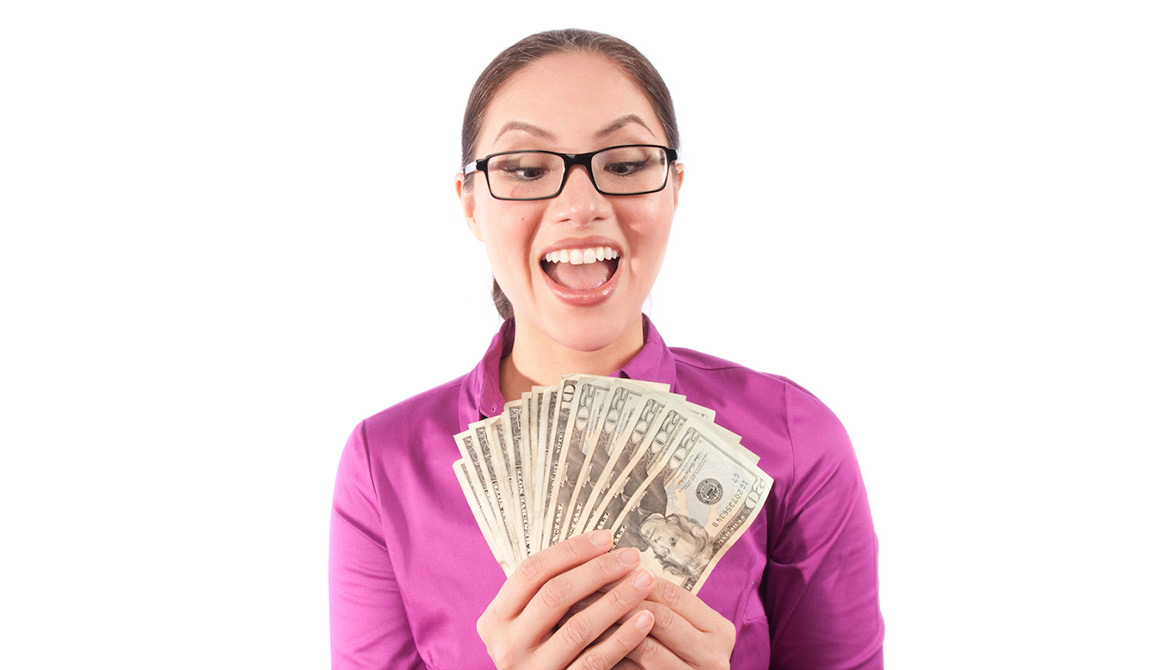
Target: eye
{"points": [[523, 166], [625, 168], [628, 161], [524, 172]]}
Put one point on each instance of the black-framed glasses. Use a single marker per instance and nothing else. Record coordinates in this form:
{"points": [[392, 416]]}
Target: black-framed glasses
{"points": [[629, 169]]}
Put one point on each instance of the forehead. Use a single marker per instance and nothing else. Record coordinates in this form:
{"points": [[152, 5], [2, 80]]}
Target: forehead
{"points": [[656, 525], [571, 96]]}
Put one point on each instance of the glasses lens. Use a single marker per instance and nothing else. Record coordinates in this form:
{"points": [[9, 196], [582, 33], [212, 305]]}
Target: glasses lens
{"points": [[628, 170], [524, 175]]}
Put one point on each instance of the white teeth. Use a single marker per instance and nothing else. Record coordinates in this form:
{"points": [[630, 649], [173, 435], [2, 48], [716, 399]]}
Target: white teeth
{"points": [[581, 256]]}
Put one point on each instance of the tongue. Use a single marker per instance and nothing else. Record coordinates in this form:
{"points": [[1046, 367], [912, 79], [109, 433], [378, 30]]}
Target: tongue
{"points": [[579, 277]]}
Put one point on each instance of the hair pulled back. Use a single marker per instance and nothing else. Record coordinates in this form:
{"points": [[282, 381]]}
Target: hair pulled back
{"points": [[533, 48]]}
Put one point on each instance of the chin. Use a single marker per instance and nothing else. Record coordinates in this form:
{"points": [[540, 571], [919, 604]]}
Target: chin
{"points": [[593, 332]]}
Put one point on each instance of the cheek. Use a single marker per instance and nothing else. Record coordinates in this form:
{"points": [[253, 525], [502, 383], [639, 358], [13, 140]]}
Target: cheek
{"points": [[508, 239], [649, 232]]}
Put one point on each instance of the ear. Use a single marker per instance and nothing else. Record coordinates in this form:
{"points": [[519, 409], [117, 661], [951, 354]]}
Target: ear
{"points": [[467, 199], [679, 172]]}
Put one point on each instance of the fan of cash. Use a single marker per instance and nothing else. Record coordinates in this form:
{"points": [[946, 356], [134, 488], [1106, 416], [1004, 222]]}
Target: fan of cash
{"points": [[607, 453]]}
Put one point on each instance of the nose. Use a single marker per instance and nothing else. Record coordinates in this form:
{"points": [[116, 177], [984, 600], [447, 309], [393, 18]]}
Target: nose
{"points": [[579, 201]]}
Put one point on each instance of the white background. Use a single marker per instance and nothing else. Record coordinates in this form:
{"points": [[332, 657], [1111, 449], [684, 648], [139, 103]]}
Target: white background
{"points": [[229, 233]]}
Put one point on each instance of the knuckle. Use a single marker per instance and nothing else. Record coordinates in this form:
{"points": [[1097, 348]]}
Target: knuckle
{"points": [[648, 650], [620, 600], [664, 617], [729, 632], [672, 594], [607, 566], [623, 640], [497, 646], [668, 617], [709, 658], [575, 632], [555, 592], [486, 624], [593, 660], [574, 547], [505, 658], [621, 648], [531, 568], [498, 651], [481, 627]]}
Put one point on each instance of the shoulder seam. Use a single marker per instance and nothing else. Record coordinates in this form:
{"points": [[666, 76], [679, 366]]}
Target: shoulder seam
{"points": [[339, 517], [791, 461], [453, 384]]}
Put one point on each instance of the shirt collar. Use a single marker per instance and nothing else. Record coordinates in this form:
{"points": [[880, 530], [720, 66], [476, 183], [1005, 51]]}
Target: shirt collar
{"points": [[481, 395], [654, 363]]}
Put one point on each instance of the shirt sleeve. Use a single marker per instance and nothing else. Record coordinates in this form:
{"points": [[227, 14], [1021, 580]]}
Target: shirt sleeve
{"points": [[367, 617], [820, 584]]}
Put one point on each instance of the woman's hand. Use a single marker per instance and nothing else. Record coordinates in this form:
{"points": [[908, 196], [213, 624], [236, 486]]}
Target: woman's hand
{"points": [[687, 633], [520, 625]]}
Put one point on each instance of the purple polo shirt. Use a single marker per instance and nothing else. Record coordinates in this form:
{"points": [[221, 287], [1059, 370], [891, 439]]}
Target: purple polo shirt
{"points": [[410, 572]]}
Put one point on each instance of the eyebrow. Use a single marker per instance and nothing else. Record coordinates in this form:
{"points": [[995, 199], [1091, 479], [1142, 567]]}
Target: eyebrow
{"points": [[526, 127], [621, 123], [531, 129]]}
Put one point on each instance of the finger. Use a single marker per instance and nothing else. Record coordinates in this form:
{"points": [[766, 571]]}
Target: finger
{"points": [[619, 603], [697, 634], [612, 651], [677, 634], [582, 604], [542, 566], [587, 601], [608, 631], [653, 655], [558, 594], [688, 606]]}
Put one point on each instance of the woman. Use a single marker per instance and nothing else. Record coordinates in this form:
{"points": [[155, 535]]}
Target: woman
{"points": [[575, 245]]}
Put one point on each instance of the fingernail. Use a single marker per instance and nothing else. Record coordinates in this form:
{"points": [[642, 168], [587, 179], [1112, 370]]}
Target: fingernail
{"points": [[643, 579], [601, 538], [629, 556], [643, 620]]}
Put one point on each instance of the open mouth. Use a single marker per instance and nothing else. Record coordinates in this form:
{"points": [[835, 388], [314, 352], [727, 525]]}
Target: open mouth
{"points": [[582, 269]]}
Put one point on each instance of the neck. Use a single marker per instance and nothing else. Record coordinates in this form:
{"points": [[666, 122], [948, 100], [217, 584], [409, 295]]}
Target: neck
{"points": [[537, 360]]}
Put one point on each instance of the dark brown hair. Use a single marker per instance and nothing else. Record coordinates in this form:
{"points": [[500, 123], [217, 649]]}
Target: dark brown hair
{"points": [[533, 48]]}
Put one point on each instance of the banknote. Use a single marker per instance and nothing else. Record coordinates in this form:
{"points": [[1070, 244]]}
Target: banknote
{"points": [[621, 401], [497, 470], [481, 515], [560, 411], [587, 411], [481, 485], [629, 446], [610, 453], [697, 501], [544, 402], [511, 434], [671, 418]]}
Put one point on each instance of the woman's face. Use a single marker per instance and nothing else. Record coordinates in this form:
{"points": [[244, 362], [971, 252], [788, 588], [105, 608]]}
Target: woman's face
{"points": [[670, 541], [572, 103]]}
